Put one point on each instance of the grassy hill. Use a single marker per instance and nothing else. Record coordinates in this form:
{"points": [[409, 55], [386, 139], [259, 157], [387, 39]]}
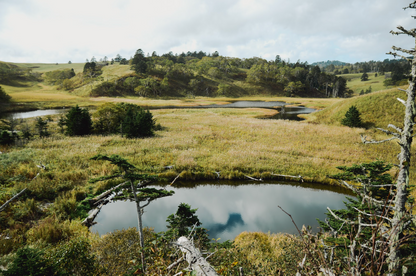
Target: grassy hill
{"points": [[354, 82], [45, 67], [377, 109]]}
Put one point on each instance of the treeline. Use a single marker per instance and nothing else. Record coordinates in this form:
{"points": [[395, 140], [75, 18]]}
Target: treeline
{"points": [[201, 74], [397, 67]]}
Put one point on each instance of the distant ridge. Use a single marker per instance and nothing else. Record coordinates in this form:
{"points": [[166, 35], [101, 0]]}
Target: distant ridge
{"points": [[329, 62]]}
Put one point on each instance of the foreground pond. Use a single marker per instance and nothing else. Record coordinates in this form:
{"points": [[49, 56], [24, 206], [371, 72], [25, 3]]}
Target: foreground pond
{"points": [[227, 210]]}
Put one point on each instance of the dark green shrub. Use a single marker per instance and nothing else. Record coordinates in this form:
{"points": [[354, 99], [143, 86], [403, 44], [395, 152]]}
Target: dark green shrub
{"points": [[352, 118], [6, 138], [78, 122], [31, 262], [4, 97], [137, 123]]}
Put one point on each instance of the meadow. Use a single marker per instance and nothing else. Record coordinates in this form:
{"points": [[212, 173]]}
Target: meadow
{"points": [[196, 142]]}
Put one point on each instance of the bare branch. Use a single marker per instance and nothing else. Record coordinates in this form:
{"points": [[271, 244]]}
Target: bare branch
{"points": [[371, 215], [174, 180], [410, 52], [397, 55], [175, 263], [365, 141], [13, 198], [399, 130]]}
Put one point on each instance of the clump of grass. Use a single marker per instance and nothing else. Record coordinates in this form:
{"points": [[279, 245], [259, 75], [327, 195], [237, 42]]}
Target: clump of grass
{"points": [[51, 231]]}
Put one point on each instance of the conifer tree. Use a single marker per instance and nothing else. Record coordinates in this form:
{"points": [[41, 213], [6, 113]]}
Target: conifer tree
{"points": [[352, 117], [78, 122]]}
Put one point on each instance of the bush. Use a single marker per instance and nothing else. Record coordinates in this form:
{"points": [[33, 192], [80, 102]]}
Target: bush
{"points": [[30, 261], [128, 119], [137, 123], [78, 122], [352, 118], [6, 138]]}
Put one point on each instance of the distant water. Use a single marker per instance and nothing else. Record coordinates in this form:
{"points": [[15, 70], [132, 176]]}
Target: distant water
{"points": [[36, 113]]}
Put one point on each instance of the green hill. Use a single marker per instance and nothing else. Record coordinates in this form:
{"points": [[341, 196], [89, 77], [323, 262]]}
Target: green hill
{"points": [[377, 109]]}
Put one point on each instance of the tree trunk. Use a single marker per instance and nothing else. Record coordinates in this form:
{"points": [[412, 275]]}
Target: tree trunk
{"points": [[140, 226], [402, 184], [194, 258]]}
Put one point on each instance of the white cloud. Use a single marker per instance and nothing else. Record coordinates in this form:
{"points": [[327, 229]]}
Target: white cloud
{"points": [[58, 31]]}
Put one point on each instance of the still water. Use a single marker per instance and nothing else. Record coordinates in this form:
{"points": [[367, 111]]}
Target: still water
{"points": [[36, 113], [227, 210]]}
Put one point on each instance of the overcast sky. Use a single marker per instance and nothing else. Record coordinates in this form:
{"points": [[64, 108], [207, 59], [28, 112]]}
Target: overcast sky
{"points": [[309, 30]]}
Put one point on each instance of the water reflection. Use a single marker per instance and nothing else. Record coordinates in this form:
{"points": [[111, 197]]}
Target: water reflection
{"points": [[227, 210], [36, 113]]}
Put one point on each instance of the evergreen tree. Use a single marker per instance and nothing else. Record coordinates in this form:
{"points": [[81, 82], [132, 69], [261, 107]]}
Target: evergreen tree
{"points": [[352, 117], [139, 63], [42, 127], [183, 223], [364, 77], [4, 97], [6, 138], [137, 122], [78, 122]]}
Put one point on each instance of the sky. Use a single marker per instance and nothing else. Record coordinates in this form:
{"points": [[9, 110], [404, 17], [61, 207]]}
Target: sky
{"points": [[50, 31]]}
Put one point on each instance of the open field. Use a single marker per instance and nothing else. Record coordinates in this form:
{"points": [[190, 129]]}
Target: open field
{"points": [[197, 142], [354, 82], [45, 67]]}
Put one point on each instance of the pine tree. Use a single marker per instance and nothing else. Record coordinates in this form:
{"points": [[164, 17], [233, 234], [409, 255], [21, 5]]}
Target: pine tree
{"points": [[352, 117], [139, 62], [78, 122]]}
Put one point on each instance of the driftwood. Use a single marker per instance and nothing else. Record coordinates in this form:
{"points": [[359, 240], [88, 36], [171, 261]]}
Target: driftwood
{"points": [[13, 198], [100, 197], [89, 221], [252, 178], [194, 258], [289, 176]]}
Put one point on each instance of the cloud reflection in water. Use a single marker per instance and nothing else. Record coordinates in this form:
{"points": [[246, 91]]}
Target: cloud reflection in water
{"points": [[227, 210]]}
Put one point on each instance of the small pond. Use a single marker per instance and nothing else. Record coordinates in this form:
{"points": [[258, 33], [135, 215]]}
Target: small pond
{"points": [[289, 113], [285, 113], [36, 113], [227, 210]]}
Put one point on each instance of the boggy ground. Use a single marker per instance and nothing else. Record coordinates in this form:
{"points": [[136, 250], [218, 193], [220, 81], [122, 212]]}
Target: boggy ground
{"points": [[196, 142]]}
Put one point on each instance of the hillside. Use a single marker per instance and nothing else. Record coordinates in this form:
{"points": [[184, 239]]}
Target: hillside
{"points": [[377, 109], [182, 76]]}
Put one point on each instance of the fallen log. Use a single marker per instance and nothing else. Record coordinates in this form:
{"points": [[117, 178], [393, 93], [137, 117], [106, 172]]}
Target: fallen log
{"points": [[96, 199], [252, 178], [13, 198], [289, 176], [89, 221], [194, 258]]}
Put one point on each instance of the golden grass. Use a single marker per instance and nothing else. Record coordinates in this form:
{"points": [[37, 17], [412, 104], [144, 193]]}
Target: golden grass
{"points": [[377, 109], [45, 67], [199, 142], [355, 83], [114, 71]]}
